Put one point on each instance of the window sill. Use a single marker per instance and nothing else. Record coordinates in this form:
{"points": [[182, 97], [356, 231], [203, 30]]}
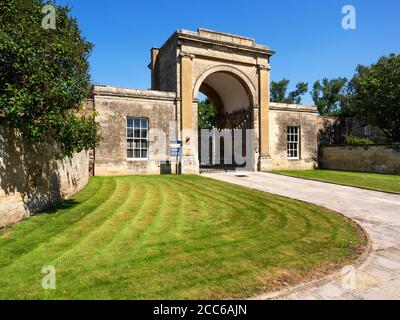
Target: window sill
{"points": [[293, 159], [137, 159]]}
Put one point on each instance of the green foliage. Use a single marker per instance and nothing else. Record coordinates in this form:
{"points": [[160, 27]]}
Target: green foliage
{"points": [[356, 141], [279, 89], [207, 114], [296, 95], [44, 76], [376, 95], [330, 96]]}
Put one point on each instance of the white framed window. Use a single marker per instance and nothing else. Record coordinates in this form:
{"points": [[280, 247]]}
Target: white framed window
{"points": [[137, 133], [293, 142], [367, 131]]}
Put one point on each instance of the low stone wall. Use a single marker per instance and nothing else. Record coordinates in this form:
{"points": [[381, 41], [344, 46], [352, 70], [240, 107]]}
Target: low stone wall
{"points": [[31, 180], [374, 158]]}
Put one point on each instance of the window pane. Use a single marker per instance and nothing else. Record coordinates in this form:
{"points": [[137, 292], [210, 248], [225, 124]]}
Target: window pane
{"points": [[129, 153], [137, 135], [129, 122], [143, 123], [130, 144], [293, 139]]}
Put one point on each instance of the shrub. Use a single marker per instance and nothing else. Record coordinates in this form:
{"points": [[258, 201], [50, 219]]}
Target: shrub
{"points": [[355, 141]]}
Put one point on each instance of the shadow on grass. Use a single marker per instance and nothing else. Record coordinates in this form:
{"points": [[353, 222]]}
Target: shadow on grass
{"points": [[65, 205]]}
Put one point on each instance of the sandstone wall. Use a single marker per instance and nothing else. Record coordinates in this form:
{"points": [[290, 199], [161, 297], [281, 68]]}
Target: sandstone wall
{"points": [[167, 69], [114, 105], [305, 117], [31, 180], [374, 158]]}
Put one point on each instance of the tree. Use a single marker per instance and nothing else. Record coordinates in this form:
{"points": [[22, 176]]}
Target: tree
{"points": [[207, 114], [376, 95], [279, 89], [330, 96], [44, 77], [296, 95]]}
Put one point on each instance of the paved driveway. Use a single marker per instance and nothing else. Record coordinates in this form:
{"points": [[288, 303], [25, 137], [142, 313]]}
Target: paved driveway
{"points": [[379, 213]]}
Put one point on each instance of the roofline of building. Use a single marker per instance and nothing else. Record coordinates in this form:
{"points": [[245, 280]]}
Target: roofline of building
{"points": [[110, 91], [293, 107], [197, 37]]}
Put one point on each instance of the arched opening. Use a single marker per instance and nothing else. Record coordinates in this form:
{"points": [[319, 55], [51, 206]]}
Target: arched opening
{"points": [[225, 105]]}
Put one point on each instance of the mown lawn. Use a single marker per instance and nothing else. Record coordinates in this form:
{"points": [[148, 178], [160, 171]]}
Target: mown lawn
{"points": [[173, 237], [373, 181]]}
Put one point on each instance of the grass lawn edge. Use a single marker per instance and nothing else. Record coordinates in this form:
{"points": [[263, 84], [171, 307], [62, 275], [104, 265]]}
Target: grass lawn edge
{"points": [[334, 183]]}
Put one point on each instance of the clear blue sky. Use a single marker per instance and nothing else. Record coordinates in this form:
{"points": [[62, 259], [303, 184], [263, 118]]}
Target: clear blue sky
{"points": [[307, 34]]}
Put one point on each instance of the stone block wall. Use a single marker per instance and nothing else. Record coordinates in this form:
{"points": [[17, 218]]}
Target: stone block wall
{"points": [[374, 158], [166, 69], [31, 180], [305, 117], [113, 106]]}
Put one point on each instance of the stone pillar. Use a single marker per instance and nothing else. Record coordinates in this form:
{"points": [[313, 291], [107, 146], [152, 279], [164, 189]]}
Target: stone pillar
{"points": [[154, 69], [265, 162], [189, 158]]}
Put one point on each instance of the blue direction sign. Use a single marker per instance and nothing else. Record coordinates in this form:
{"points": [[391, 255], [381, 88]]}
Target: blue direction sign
{"points": [[175, 148]]}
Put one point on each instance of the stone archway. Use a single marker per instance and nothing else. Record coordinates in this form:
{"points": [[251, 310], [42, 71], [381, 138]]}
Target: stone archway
{"points": [[233, 72], [232, 94], [190, 62]]}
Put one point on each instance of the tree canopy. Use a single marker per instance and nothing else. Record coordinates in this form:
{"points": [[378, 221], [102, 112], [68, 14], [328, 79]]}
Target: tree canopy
{"points": [[375, 95], [279, 92], [44, 76], [207, 114], [330, 95]]}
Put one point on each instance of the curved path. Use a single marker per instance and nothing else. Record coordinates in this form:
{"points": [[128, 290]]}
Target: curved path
{"points": [[379, 213]]}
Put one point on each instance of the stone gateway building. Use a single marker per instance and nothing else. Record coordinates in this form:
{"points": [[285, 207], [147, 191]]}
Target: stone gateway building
{"points": [[156, 131]]}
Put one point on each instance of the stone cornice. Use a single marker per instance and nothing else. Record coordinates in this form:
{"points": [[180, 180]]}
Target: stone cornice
{"points": [[184, 54], [292, 107], [107, 91], [264, 67], [180, 35]]}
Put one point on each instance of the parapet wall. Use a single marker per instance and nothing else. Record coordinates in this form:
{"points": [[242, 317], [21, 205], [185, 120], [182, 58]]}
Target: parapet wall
{"points": [[31, 180]]}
